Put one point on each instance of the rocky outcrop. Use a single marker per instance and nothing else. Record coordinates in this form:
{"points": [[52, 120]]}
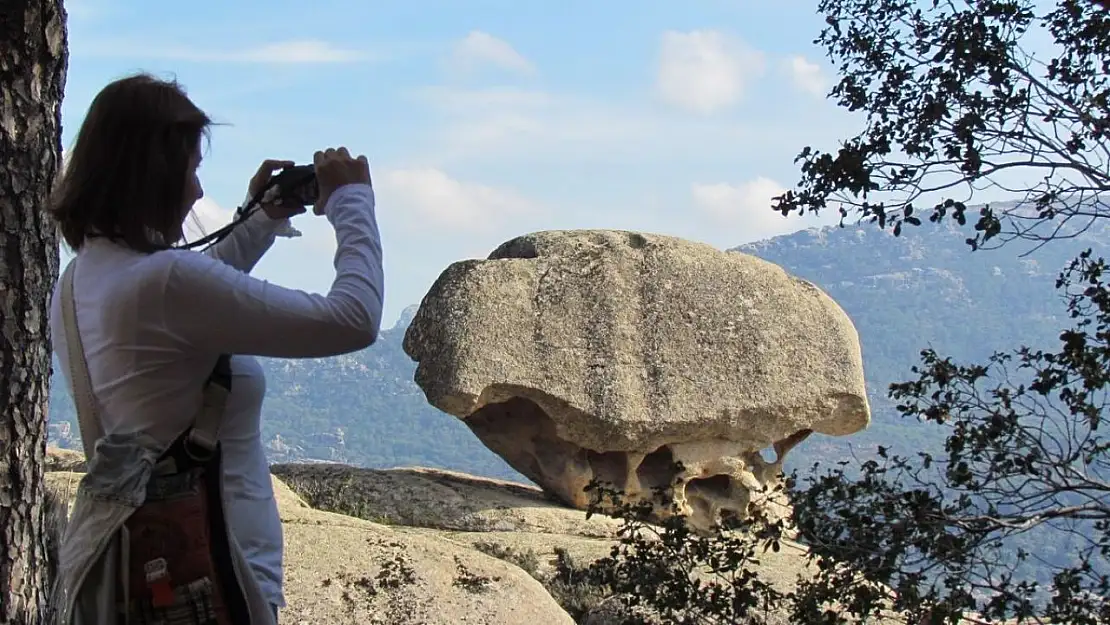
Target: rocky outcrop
{"points": [[340, 569], [612, 355], [515, 522], [440, 499], [493, 516]]}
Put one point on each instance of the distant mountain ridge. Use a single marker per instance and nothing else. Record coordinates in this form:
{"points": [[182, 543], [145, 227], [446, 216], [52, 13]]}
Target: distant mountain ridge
{"points": [[924, 288]]}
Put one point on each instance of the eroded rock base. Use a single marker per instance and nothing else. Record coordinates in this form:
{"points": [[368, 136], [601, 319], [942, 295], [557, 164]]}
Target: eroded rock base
{"points": [[709, 479]]}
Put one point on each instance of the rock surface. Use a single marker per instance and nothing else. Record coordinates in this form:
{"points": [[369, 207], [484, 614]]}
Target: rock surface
{"points": [[440, 499], [603, 354]]}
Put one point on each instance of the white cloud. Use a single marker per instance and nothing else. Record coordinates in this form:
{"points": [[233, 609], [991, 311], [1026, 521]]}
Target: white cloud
{"points": [[490, 120], [706, 71], [494, 124], [282, 52], [746, 205], [741, 213], [806, 76], [428, 197], [479, 48]]}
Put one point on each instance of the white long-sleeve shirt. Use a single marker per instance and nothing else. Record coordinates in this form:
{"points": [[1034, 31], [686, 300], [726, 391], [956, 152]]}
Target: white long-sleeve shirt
{"points": [[153, 326]]}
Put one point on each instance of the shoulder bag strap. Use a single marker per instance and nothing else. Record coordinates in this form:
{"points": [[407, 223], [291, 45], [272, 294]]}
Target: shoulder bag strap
{"points": [[205, 430], [88, 417]]}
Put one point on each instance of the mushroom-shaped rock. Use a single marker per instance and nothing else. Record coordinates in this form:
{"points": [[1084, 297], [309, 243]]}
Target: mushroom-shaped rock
{"points": [[612, 355]]}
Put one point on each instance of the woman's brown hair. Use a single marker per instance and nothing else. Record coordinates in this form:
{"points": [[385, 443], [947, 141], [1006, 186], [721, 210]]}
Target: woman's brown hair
{"points": [[126, 174]]}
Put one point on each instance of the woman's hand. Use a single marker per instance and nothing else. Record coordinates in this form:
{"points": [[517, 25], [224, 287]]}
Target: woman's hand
{"points": [[262, 178], [335, 168]]}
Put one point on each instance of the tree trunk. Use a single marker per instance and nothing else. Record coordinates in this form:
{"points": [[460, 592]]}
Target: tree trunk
{"points": [[33, 63]]}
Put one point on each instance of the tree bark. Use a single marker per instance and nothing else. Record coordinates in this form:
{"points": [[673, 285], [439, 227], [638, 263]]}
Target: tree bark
{"points": [[33, 63]]}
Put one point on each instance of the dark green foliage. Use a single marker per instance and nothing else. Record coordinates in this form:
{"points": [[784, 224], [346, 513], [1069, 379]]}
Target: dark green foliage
{"points": [[570, 585], [574, 587], [679, 575], [527, 560], [955, 103], [1025, 465]]}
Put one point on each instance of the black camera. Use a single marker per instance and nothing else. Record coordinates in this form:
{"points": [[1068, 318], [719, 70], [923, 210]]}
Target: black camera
{"points": [[297, 185]]}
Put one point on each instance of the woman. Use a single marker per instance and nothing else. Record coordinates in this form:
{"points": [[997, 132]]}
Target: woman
{"points": [[152, 320]]}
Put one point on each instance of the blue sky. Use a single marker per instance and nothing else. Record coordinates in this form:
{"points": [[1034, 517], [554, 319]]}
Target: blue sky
{"points": [[487, 119]]}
